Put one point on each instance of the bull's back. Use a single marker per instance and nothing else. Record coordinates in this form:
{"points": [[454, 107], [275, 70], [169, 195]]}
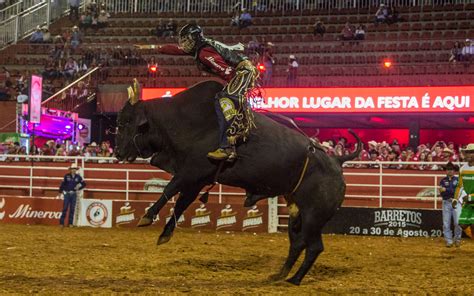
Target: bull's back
{"points": [[273, 157]]}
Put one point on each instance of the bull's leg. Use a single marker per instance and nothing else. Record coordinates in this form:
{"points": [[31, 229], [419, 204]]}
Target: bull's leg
{"points": [[297, 245], [251, 199], [170, 190], [314, 247], [184, 200]]}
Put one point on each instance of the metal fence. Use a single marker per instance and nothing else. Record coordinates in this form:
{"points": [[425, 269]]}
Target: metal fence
{"points": [[20, 19], [75, 94], [228, 6], [381, 186]]}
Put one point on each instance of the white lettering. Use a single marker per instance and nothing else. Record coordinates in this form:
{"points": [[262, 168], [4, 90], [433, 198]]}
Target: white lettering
{"points": [[26, 211], [226, 221], [450, 102], [359, 102], [200, 220], [125, 218], [248, 222], [397, 102]]}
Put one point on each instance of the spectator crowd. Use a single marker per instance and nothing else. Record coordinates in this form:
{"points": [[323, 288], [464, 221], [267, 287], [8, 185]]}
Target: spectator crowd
{"points": [[396, 153], [372, 152], [52, 148]]}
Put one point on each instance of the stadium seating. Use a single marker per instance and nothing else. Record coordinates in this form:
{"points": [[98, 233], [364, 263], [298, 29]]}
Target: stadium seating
{"points": [[419, 46]]}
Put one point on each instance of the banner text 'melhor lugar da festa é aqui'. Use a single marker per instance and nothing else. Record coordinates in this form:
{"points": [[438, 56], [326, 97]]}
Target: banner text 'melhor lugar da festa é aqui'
{"points": [[360, 99]]}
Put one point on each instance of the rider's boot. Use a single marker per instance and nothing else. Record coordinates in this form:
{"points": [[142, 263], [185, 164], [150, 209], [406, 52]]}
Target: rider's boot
{"points": [[228, 154]]}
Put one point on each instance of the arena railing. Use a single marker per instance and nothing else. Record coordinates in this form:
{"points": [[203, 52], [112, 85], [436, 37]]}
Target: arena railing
{"points": [[32, 13], [63, 101], [32, 171], [229, 6]]}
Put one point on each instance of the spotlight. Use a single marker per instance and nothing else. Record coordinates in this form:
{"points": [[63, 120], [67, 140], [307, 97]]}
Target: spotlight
{"points": [[68, 126], [153, 68], [387, 64], [261, 67], [80, 126]]}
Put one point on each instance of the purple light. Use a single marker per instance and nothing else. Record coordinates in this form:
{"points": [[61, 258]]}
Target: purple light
{"points": [[80, 126], [68, 126]]}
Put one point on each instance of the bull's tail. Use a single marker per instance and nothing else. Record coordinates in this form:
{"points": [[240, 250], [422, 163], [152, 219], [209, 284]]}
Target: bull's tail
{"points": [[344, 158]]}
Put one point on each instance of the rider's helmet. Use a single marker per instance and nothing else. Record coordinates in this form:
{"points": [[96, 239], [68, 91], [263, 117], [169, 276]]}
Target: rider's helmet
{"points": [[189, 36]]}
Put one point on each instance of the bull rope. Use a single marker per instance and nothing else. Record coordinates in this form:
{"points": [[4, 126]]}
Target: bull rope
{"points": [[303, 172], [293, 209]]}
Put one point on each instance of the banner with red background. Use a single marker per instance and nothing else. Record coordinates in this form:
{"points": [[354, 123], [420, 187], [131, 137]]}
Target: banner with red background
{"points": [[354, 99]]}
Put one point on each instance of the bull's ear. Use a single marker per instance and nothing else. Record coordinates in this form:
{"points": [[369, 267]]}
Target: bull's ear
{"points": [[142, 121]]}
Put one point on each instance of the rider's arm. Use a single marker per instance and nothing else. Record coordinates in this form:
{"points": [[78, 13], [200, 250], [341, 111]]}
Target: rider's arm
{"points": [[209, 57], [171, 49]]}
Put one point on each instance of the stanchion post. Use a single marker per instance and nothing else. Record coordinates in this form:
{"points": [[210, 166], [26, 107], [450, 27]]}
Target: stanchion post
{"points": [[273, 214], [380, 185]]}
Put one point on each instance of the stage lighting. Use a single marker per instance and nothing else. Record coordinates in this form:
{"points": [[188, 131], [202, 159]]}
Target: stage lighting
{"points": [[387, 64], [153, 69], [80, 126], [68, 126], [261, 67]]}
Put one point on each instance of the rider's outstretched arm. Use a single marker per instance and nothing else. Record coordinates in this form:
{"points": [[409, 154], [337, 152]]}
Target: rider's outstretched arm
{"points": [[171, 49]]}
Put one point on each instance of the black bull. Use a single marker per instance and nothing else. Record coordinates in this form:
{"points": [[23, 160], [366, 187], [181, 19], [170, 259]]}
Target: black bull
{"points": [[178, 132]]}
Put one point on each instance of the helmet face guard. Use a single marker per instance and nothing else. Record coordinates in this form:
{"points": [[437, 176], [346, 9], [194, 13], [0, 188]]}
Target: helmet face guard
{"points": [[188, 36], [187, 42]]}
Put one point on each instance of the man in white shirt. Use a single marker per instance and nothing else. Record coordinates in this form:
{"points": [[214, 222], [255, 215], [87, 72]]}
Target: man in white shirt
{"points": [[292, 71]]}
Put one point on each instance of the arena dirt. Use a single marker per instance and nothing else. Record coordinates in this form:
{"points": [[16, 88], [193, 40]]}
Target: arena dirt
{"points": [[50, 261]]}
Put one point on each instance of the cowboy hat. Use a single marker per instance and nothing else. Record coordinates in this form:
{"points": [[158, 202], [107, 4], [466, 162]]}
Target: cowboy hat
{"points": [[450, 166], [447, 150], [73, 167], [292, 57], [373, 143], [326, 145], [469, 148], [93, 144]]}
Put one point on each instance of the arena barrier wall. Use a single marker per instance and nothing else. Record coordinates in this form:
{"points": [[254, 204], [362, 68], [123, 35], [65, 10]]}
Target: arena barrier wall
{"points": [[375, 187], [117, 194], [220, 217], [386, 222], [114, 213]]}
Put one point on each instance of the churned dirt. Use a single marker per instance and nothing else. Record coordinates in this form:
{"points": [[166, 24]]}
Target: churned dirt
{"points": [[51, 261]]}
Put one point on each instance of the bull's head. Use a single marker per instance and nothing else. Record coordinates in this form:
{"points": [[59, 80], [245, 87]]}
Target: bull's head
{"points": [[132, 128]]}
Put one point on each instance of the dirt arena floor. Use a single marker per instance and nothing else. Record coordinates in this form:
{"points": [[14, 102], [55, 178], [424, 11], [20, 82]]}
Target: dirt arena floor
{"points": [[51, 261]]}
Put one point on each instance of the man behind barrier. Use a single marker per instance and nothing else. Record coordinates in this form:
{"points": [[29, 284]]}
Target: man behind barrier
{"points": [[71, 183], [450, 211], [465, 190]]}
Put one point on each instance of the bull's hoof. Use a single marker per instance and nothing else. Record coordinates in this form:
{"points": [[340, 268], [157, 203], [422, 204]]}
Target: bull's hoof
{"points": [[144, 221], [294, 281], [276, 277], [249, 202], [163, 239]]}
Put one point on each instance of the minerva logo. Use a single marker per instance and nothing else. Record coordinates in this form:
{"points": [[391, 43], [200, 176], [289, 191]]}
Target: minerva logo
{"points": [[25, 211], [2, 204]]}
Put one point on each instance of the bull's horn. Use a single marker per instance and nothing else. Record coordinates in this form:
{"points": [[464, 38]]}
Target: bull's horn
{"points": [[134, 92]]}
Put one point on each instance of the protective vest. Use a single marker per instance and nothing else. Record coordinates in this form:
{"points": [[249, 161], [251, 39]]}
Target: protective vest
{"points": [[229, 53]]}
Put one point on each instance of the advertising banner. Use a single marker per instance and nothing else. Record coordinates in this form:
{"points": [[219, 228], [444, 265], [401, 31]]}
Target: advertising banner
{"points": [[95, 213], [30, 210], [386, 222], [354, 99], [36, 94], [83, 131], [225, 217]]}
